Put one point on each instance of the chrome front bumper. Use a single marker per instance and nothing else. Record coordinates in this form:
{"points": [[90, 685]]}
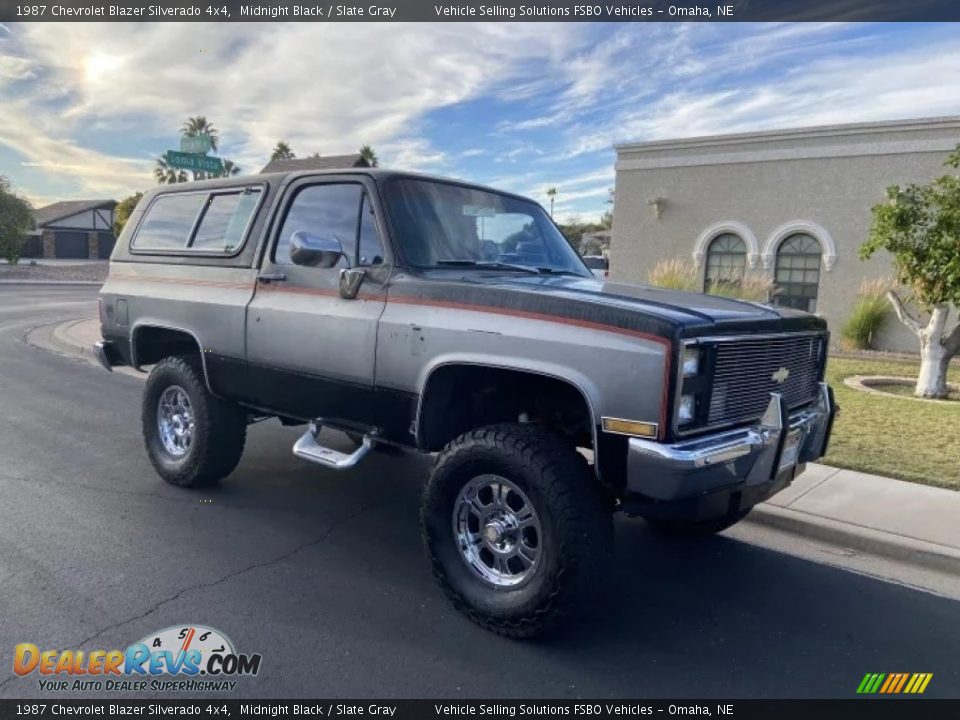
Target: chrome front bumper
{"points": [[760, 459]]}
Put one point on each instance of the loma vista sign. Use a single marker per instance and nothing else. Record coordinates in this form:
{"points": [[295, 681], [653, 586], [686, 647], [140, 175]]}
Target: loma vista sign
{"points": [[193, 161]]}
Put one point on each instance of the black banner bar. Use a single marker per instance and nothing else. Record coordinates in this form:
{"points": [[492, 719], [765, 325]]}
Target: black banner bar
{"points": [[867, 709], [478, 11]]}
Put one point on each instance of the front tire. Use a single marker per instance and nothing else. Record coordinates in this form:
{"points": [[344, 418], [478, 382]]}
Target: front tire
{"points": [[516, 528], [193, 439]]}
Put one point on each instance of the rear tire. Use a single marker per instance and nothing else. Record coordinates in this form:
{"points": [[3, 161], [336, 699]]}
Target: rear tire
{"points": [[193, 439], [698, 528], [516, 528]]}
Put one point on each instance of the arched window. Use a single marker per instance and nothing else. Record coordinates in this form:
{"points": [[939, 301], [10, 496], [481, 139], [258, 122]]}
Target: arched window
{"points": [[798, 272], [726, 261]]}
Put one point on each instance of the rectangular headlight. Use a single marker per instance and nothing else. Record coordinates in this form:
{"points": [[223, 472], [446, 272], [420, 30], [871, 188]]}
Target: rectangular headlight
{"points": [[687, 409], [691, 361]]}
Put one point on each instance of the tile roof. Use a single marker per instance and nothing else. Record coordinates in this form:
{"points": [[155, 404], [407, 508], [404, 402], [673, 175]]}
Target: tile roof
{"points": [[66, 208], [328, 162]]}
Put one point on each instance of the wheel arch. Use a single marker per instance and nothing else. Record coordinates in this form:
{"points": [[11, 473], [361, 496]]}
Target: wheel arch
{"points": [[152, 341], [434, 376]]}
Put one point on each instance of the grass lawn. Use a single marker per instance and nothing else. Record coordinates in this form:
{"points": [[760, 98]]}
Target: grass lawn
{"points": [[898, 437]]}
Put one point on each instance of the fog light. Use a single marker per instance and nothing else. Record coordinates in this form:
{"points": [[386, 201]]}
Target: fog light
{"points": [[691, 362], [687, 409]]}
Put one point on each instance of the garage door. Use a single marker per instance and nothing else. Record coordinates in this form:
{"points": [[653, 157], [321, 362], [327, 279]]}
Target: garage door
{"points": [[71, 244], [106, 245]]}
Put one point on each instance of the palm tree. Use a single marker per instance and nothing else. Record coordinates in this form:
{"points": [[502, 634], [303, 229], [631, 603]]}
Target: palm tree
{"points": [[229, 169], [369, 156], [199, 125], [282, 152], [552, 194], [165, 174]]}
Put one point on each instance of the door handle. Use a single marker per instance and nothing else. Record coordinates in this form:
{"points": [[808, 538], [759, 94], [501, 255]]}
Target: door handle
{"points": [[271, 277]]}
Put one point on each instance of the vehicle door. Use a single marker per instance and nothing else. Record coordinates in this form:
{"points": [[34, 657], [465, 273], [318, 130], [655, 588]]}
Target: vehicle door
{"points": [[311, 347]]}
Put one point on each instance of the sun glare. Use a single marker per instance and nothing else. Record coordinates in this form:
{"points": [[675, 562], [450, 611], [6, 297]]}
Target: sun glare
{"points": [[99, 64]]}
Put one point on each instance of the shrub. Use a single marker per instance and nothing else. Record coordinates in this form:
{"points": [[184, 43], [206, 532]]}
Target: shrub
{"points": [[16, 220], [751, 287], [869, 313], [674, 274]]}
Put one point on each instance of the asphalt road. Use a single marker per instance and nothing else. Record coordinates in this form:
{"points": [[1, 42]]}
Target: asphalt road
{"points": [[323, 574]]}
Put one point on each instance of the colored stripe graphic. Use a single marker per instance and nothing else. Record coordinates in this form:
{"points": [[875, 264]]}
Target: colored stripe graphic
{"points": [[894, 683]]}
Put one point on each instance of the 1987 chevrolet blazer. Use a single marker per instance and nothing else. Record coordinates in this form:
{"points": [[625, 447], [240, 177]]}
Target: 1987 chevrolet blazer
{"points": [[415, 311]]}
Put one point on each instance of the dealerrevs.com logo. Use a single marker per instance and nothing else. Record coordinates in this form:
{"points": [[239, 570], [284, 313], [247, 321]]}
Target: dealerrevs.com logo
{"points": [[185, 658]]}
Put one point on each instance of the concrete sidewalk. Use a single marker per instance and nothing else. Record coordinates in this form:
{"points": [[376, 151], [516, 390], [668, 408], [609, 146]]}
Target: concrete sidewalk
{"points": [[869, 513]]}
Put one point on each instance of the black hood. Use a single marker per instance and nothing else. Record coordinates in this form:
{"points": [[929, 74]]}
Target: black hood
{"points": [[669, 313]]}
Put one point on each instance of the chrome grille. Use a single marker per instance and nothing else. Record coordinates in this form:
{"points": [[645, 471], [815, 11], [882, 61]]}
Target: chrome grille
{"points": [[744, 375]]}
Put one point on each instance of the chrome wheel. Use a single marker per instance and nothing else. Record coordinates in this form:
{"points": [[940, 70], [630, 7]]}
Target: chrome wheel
{"points": [[175, 421], [497, 531]]}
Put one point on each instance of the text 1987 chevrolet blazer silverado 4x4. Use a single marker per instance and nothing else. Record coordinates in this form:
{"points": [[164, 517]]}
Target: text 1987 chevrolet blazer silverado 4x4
{"points": [[454, 319]]}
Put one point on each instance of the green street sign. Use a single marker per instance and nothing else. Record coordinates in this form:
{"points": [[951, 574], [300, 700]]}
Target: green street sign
{"points": [[197, 145], [195, 162]]}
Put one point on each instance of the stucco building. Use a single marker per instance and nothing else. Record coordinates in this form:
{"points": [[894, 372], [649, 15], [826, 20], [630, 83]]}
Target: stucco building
{"points": [[791, 205]]}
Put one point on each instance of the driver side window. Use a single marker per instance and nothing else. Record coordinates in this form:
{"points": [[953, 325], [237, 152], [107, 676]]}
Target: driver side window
{"points": [[342, 210]]}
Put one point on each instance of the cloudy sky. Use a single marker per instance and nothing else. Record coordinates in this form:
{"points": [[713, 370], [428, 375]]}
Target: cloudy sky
{"points": [[86, 108]]}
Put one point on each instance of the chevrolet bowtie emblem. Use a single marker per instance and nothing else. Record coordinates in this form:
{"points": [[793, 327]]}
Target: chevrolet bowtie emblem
{"points": [[780, 376]]}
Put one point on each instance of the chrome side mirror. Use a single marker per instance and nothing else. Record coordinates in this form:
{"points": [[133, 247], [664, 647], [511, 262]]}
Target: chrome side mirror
{"points": [[323, 251]]}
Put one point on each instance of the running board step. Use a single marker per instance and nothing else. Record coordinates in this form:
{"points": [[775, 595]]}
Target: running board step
{"points": [[308, 448]]}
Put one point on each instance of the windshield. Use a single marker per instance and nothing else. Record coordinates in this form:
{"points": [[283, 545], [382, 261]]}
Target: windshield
{"points": [[442, 225]]}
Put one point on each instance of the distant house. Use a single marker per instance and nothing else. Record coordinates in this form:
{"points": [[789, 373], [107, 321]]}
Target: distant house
{"points": [[74, 229], [596, 243], [328, 162]]}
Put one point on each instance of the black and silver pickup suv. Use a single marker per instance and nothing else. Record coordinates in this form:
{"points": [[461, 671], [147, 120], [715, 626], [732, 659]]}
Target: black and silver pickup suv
{"points": [[432, 314]]}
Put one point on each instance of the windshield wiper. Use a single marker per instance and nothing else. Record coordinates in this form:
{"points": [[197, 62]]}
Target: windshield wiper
{"points": [[484, 264], [555, 271]]}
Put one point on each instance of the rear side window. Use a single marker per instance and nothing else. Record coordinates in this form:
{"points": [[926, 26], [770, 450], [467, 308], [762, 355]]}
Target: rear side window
{"points": [[225, 219], [168, 222], [171, 221]]}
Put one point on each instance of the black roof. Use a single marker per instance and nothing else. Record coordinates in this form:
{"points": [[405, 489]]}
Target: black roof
{"points": [[280, 178], [66, 208]]}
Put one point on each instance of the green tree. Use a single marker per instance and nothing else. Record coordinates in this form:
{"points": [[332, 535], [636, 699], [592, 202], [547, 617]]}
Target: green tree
{"points": [[552, 194], [167, 175], [606, 220], [369, 156], [919, 225], [199, 125], [282, 152], [16, 220], [123, 211], [229, 169]]}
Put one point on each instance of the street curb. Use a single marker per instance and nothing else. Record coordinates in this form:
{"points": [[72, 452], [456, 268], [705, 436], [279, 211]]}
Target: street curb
{"points": [[856, 537], [55, 338], [87, 283]]}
